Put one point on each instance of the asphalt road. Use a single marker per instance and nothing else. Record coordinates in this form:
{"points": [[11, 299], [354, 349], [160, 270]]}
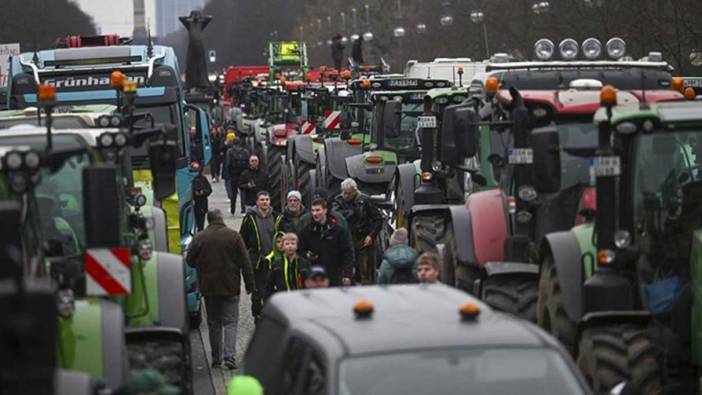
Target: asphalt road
{"points": [[209, 380]]}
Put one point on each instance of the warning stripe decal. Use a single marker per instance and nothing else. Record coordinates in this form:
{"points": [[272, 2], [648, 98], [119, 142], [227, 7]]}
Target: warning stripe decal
{"points": [[108, 271]]}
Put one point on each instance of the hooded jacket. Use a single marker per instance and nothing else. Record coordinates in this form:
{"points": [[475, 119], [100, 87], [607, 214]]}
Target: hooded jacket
{"points": [[257, 231], [400, 256], [287, 274], [219, 255], [292, 223]]}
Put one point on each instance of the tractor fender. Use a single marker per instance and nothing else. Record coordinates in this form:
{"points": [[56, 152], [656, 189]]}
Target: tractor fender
{"points": [[303, 149], [566, 254], [608, 318], [337, 152], [357, 169], [406, 174], [70, 382], [463, 231], [95, 324], [488, 221], [511, 268], [171, 291]]}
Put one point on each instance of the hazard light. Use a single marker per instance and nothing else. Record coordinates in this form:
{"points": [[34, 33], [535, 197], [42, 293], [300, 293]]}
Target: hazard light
{"points": [[46, 93], [690, 93], [678, 84], [374, 160], [363, 309], [354, 142], [469, 311], [117, 79]]}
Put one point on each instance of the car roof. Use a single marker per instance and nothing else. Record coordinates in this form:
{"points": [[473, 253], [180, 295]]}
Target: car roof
{"points": [[405, 317]]}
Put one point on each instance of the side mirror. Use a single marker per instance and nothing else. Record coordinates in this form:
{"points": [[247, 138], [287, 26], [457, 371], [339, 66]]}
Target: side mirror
{"points": [[11, 255], [547, 159], [392, 115], [162, 155], [101, 207], [459, 133], [200, 144]]}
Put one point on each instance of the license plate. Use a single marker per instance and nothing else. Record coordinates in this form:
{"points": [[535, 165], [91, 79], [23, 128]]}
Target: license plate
{"points": [[520, 156], [426, 122], [607, 166]]}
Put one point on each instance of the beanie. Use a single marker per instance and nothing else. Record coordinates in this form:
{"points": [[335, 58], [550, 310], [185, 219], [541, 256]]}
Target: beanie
{"points": [[231, 136], [295, 194], [399, 237]]}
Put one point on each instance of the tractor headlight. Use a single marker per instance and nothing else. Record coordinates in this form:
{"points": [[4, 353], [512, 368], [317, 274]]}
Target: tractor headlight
{"points": [[13, 160], [32, 160], [120, 139], [436, 166], [616, 48], [592, 48], [527, 193], [66, 303], [569, 49], [145, 249], [106, 139], [622, 239], [543, 49]]}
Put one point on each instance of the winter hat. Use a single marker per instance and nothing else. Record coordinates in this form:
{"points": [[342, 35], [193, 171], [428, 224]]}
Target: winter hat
{"points": [[399, 237], [296, 194], [231, 136]]}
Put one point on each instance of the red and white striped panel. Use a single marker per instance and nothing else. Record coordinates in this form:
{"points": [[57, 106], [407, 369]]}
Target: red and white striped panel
{"points": [[332, 119], [108, 271], [308, 127]]}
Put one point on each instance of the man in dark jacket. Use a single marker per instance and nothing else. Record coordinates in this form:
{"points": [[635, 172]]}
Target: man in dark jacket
{"points": [[219, 255], [258, 230], [291, 219], [323, 242], [357, 51], [253, 180], [201, 191], [365, 222], [236, 161], [337, 49], [217, 153]]}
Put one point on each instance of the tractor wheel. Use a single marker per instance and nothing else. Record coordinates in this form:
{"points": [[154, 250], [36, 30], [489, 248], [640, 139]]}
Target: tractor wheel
{"points": [[609, 355], [168, 357], [550, 310], [275, 173], [304, 182], [515, 295]]}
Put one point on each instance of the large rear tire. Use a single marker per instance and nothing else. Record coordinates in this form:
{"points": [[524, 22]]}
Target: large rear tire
{"points": [[275, 176], [515, 295], [168, 357], [616, 353], [304, 182], [550, 310]]}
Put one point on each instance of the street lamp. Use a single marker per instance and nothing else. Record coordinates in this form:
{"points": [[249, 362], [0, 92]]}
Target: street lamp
{"points": [[354, 25], [368, 35], [446, 19], [329, 24], [477, 16], [344, 39], [399, 31], [421, 28]]}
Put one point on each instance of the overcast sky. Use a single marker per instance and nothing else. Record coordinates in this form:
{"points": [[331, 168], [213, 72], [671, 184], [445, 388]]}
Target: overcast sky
{"points": [[115, 16]]}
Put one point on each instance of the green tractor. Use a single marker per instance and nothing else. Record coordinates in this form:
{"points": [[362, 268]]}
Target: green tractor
{"points": [[150, 296], [623, 292]]}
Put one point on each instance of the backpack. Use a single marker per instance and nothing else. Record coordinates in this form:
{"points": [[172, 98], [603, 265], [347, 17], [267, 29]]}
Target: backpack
{"points": [[403, 275], [238, 160]]}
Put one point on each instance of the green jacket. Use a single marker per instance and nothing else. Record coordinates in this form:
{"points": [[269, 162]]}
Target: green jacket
{"points": [[286, 274], [399, 256]]}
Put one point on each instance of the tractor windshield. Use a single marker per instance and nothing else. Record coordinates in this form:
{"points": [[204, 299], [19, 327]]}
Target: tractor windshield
{"points": [[576, 170], [407, 141], [666, 164]]}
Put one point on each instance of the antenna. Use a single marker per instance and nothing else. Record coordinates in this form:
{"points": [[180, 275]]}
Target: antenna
{"points": [[149, 44], [644, 105], [35, 58]]}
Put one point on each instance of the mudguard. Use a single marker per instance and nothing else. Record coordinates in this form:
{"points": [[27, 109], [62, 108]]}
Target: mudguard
{"points": [[406, 174], [510, 268], [370, 174], [461, 228], [92, 341], [337, 151], [488, 222], [607, 318], [304, 149], [70, 382], [565, 250]]}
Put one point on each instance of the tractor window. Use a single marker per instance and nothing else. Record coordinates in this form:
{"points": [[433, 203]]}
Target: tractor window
{"points": [[576, 135], [406, 141]]}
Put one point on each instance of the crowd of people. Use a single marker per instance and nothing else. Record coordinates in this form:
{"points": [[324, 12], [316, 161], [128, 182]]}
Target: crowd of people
{"points": [[329, 244]]}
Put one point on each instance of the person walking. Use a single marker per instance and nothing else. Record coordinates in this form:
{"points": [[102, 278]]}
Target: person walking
{"points": [[218, 150], [399, 261], [219, 255], [236, 161], [252, 181], [357, 51], [323, 242], [365, 222], [337, 52], [291, 219], [257, 230], [201, 191]]}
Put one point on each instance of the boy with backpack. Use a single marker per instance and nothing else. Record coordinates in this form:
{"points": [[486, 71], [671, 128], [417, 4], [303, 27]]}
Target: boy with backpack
{"points": [[289, 270], [399, 261]]}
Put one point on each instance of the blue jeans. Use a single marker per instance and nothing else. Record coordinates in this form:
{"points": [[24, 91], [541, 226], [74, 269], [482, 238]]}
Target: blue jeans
{"points": [[222, 312]]}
